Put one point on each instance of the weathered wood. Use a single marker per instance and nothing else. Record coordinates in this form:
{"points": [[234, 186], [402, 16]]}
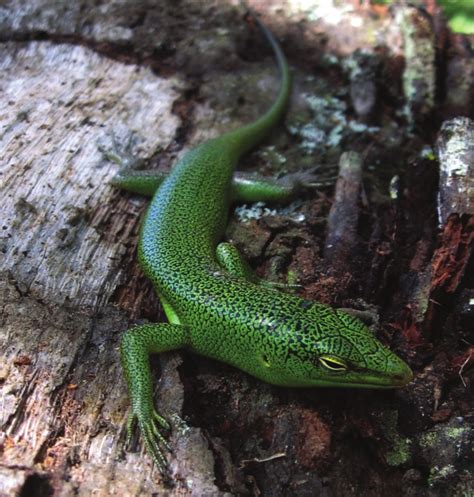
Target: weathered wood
{"points": [[344, 214], [456, 177], [419, 75], [60, 105], [65, 232]]}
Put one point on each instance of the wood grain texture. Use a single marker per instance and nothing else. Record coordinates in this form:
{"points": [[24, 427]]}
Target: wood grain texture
{"points": [[63, 403], [60, 236]]}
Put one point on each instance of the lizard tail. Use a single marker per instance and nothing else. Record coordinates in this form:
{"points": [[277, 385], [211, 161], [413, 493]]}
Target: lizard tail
{"points": [[249, 135]]}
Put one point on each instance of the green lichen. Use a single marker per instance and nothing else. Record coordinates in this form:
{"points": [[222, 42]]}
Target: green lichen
{"points": [[439, 474], [271, 155], [362, 128], [445, 449], [400, 451], [419, 51], [258, 210], [428, 439], [456, 433], [311, 136], [433, 438], [328, 125], [292, 277]]}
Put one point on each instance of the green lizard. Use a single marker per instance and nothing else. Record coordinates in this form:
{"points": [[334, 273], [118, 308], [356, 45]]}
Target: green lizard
{"points": [[215, 305]]}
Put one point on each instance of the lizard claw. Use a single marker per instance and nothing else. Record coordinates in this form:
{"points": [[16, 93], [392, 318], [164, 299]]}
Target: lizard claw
{"points": [[311, 178], [277, 284], [162, 421], [129, 428], [149, 428]]}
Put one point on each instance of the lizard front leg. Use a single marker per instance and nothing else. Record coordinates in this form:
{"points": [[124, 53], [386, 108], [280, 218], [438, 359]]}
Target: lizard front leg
{"points": [[136, 346]]}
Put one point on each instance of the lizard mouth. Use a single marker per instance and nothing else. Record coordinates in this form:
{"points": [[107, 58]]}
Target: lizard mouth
{"points": [[371, 379], [393, 380], [399, 376], [403, 378]]}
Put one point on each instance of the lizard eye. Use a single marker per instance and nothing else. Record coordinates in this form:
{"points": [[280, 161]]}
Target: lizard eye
{"points": [[332, 363]]}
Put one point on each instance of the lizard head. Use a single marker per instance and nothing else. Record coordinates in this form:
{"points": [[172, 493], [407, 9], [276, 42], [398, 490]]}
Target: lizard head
{"points": [[328, 347]]}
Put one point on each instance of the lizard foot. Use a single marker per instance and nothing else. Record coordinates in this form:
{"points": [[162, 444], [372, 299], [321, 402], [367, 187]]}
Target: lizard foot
{"points": [[312, 178], [149, 428]]}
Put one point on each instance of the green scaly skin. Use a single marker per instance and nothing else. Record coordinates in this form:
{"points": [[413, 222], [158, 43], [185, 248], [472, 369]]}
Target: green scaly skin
{"points": [[214, 305]]}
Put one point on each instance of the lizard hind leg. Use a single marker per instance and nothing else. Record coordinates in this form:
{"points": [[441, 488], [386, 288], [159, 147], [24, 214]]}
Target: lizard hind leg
{"points": [[232, 260], [229, 257], [245, 187], [249, 187], [136, 346], [144, 182]]}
